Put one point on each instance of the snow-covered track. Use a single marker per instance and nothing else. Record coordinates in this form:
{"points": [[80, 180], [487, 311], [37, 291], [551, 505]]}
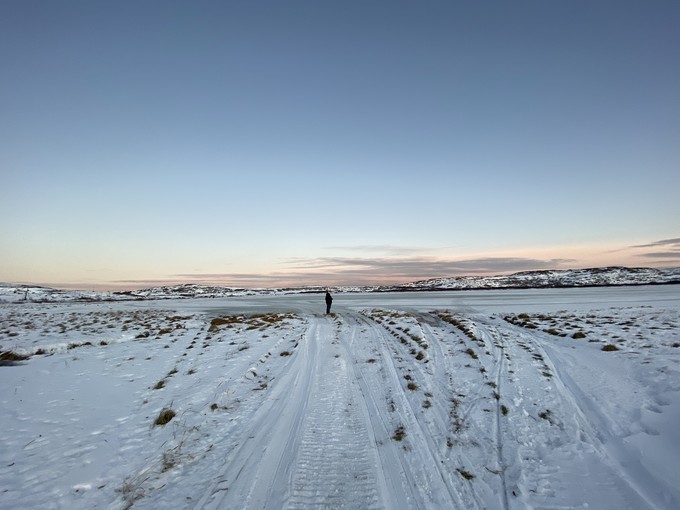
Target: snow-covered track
{"points": [[257, 468]]}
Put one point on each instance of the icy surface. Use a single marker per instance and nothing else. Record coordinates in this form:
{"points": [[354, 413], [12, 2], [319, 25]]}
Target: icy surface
{"points": [[496, 399]]}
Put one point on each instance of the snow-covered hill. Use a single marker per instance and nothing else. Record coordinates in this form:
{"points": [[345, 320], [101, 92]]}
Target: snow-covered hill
{"points": [[36, 294], [594, 277]]}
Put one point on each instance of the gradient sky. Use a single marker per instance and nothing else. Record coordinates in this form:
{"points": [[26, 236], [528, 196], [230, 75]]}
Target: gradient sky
{"points": [[316, 142]]}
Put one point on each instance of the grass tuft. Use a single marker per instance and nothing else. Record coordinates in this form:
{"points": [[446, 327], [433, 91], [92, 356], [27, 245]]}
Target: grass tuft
{"points": [[399, 434], [10, 356], [610, 347], [164, 417], [471, 353]]}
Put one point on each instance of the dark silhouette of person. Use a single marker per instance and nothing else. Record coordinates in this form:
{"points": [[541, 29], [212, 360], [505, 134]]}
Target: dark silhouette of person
{"points": [[329, 300]]}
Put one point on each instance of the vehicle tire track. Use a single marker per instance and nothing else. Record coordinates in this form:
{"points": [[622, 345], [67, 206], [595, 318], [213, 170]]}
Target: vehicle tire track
{"points": [[426, 471], [592, 423], [499, 352], [254, 471], [393, 474], [335, 465]]}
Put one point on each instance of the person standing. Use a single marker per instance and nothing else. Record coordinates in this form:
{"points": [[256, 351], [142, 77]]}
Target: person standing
{"points": [[329, 301]]}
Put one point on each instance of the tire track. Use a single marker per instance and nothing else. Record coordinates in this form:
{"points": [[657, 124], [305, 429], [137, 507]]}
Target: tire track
{"points": [[425, 469], [335, 465], [592, 426], [394, 475], [255, 470], [498, 379]]}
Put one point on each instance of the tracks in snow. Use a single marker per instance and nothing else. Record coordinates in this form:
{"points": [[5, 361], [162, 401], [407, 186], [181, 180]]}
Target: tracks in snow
{"points": [[339, 426], [335, 464], [307, 445]]}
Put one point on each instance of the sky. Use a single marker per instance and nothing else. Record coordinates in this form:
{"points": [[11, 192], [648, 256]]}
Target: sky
{"points": [[274, 143]]}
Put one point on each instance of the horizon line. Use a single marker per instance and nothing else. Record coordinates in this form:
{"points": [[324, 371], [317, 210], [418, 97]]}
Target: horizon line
{"points": [[115, 285]]}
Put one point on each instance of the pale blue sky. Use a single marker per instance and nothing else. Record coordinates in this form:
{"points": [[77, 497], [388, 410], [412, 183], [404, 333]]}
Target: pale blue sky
{"points": [[269, 143]]}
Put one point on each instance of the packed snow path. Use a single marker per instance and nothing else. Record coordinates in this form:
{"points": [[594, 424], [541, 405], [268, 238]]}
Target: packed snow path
{"points": [[386, 407], [311, 428]]}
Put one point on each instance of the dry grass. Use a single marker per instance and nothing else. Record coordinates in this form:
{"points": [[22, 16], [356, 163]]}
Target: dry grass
{"points": [[399, 434], [471, 353], [12, 356], [164, 417]]}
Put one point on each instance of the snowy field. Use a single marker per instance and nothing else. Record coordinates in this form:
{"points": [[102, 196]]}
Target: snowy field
{"points": [[495, 399]]}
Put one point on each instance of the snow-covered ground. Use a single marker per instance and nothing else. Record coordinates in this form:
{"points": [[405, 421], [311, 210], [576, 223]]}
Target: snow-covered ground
{"points": [[496, 399]]}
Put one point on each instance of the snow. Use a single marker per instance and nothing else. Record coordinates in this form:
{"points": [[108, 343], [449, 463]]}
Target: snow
{"points": [[491, 399]]}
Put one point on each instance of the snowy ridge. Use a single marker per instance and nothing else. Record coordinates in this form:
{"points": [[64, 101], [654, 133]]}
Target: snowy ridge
{"points": [[594, 277], [34, 293]]}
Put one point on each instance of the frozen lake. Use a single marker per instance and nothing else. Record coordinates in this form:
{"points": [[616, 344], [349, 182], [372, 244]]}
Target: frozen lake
{"points": [[487, 301]]}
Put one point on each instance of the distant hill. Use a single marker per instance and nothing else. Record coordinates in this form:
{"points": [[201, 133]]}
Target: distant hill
{"points": [[594, 277], [33, 293]]}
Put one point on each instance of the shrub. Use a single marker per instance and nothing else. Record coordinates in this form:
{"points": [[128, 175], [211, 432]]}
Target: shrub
{"points": [[578, 334], [164, 417], [610, 347], [471, 353], [12, 356]]}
